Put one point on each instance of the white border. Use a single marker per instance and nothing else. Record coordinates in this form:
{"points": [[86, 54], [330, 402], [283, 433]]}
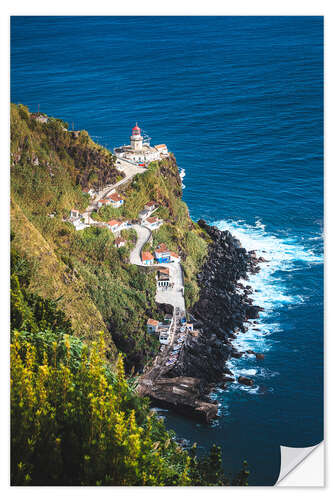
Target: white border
{"points": [[140, 7]]}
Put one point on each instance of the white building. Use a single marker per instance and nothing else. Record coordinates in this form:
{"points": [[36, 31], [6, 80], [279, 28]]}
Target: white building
{"points": [[79, 225], [162, 149], [152, 223], [104, 202], [91, 192], [116, 200], [75, 214], [164, 333], [152, 325], [119, 242], [117, 225], [140, 151]]}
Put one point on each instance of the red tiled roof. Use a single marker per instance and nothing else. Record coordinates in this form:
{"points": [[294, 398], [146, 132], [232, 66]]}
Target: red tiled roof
{"points": [[174, 254], [147, 256], [119, 240], [150, 204], [152, 322], [114, 222], [152, 219], [115, 197], [104, 200], [160, 146]]}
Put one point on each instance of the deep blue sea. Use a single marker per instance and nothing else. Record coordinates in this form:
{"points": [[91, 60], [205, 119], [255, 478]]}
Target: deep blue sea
{"points": [[239, 100]]}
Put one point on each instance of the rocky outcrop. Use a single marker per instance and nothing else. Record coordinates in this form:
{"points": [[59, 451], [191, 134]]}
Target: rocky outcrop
{"points": [[245, 381], [222, 310], [186, 395]]}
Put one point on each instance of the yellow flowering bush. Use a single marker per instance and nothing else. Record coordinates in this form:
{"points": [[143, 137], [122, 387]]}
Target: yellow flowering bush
{"points": [[69, 427]]}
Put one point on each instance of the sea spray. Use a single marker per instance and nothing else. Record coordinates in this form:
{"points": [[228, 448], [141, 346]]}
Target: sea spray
{"points": [[182, 174], [270, 291]]}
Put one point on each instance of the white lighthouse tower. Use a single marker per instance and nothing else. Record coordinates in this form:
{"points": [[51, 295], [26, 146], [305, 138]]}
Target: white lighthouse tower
{"points": [[136, 139]]}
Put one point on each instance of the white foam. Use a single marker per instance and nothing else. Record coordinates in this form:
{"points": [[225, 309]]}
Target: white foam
{"points": [[270, 290], [182, 174]]}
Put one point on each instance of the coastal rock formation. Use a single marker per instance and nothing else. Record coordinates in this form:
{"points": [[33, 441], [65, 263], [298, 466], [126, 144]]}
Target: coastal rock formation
{"points": [[186, 395], [245, 381], [223, 307]]}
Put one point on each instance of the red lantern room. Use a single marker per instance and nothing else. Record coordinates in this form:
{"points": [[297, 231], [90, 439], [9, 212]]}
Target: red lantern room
{"points": [[136, 130]]}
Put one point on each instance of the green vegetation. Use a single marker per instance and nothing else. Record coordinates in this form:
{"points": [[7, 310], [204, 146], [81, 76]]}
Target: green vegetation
{"points": [[161, 183], [106, 213], [50, 165], [75, 418], [75, 422], [98, 287]]}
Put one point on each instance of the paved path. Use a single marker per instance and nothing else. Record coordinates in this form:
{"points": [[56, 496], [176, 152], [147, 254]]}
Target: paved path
{"points": [[173, 296], [143, 234], [167, 295]]}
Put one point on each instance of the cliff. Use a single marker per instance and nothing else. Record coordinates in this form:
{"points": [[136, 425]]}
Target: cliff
{"points": [[97, 287]]}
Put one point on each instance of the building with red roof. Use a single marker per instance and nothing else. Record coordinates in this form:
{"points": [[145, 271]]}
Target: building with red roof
{"points": [[147, 258]]}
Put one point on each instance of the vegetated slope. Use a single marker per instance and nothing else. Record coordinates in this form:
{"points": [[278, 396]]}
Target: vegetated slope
{"points": [[98, 286], [52, 278], [50, 165], [162, 183], [75, 420]]}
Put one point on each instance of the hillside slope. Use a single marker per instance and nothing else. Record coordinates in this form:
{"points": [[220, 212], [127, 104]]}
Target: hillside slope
{"points": [[99, 288]]}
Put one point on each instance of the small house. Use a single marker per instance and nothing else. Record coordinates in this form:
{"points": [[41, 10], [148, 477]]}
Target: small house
{"points": [[152, 325], [119, 242], [40, 117], [91, 192], [116, 200], [162, 254], [163, 277], [165, 337], [152, 222], [114, 225], [189, 326], [104, 202], [126, 224], [79, 225], [147, 259], [162, 149]]}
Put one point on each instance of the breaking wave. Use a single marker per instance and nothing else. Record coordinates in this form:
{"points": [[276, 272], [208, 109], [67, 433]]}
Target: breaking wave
{"points": [[182, 174], [271, 290]]}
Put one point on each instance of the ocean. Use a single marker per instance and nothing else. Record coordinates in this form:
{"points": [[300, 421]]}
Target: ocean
{"points": [[239, 101]]}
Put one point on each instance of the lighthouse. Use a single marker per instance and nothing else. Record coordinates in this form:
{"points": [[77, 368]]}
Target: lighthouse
{"points": [[136, 139]]}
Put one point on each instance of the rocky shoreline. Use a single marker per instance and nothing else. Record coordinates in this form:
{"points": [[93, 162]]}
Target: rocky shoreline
{"points": [[223, 308], [221, 313]]}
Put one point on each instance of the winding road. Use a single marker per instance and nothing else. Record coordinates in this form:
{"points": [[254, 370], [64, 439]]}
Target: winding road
{"points": [[143, 235], [164, 295]]}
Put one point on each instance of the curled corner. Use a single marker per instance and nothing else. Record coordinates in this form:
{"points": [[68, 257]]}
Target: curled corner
{"points": [[291, 458]]}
